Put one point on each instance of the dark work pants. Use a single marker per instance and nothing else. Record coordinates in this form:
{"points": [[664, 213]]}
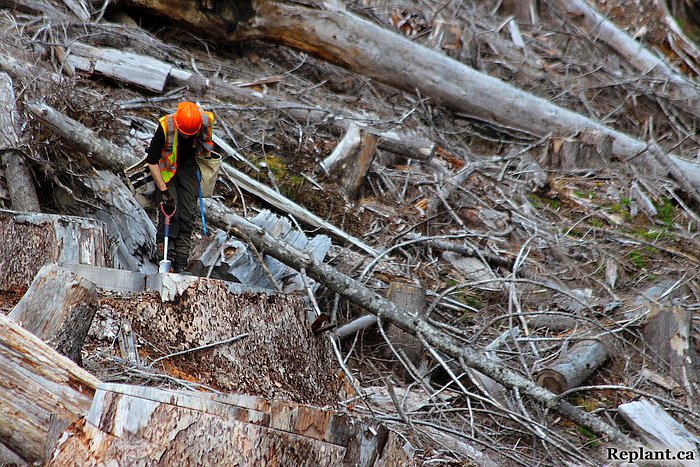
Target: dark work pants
{"points": [[185, 190]]}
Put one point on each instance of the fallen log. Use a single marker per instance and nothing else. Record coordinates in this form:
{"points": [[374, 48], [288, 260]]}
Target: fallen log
{"points": [[29, 241], [375, 304], [574, 367], [58, 308], [17, 174], [40, 391]]}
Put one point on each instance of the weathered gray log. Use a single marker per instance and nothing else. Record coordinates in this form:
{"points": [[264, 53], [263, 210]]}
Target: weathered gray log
{"points": [[38, 388], [667, 333], [355, 326], [447, 187], [58, 308], [574, 367], [17, 174], [660, 430], [280, 356], [29, 241], [208, 429], [141, 71], [350, 161], [370, 301]]}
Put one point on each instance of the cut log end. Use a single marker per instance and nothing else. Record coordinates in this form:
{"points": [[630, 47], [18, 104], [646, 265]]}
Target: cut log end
{"points": [[552, 380]]}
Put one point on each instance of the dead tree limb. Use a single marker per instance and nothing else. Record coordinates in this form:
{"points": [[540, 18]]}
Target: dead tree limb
{"points": [[574, 367], [375, 304], [19, 178]]}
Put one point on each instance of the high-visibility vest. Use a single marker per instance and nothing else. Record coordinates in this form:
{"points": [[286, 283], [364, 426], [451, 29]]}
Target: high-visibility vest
{"points": [[203, 146]]}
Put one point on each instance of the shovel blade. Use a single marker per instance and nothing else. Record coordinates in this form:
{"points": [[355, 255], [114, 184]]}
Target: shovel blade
{"points": [[164, 266]]}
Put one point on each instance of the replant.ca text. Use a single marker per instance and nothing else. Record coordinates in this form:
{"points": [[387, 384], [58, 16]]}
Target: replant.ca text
{"points": [[644, 454]]}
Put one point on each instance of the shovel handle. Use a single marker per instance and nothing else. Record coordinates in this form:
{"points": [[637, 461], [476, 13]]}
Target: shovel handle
{"points": [[166, 215]]}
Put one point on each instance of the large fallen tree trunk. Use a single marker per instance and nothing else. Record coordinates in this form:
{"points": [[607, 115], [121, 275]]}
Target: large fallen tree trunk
{"points": [[343, 38], [54, 392], [416, 325]]}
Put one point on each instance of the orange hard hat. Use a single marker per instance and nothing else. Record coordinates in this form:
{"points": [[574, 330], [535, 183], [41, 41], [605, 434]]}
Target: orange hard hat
{"points": [[187, 118]]}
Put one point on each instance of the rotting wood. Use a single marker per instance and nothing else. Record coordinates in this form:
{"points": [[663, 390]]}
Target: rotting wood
{"points": [[350, 161], [36, 383], [29, 241], [58, 308], [17, 174], [365, 298], [579, 152], [573, 367]]}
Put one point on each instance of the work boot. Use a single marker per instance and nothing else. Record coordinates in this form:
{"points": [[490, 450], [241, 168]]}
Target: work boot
{"points": [[179, 268]]}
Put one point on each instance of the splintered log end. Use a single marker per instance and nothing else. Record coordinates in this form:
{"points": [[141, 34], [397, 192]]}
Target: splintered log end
{"points": [[552, 380]]}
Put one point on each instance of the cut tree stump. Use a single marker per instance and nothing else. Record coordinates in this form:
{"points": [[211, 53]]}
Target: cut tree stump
{"points": [[29, 241], [588, 150], [58, 308], [40, 391], [349, 163], [574, 367], [412, 299], [132, 424], [280, 357], [668, 335]]}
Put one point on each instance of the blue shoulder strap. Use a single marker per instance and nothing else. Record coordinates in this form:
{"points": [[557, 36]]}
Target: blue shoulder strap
{"points": [[201, 202]]}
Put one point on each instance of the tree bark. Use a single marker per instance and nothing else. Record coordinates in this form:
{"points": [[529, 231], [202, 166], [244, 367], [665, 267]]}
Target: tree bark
{"points": [[19, 178], [58, 308], [37, 383], [369, 300], [29, 241], [574, 367]]}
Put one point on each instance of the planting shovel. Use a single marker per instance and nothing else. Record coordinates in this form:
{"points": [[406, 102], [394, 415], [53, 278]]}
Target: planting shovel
{"points": [[164, 265]]}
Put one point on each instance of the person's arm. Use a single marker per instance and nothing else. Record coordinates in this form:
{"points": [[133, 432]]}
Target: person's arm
{"points": [[157, 177]]}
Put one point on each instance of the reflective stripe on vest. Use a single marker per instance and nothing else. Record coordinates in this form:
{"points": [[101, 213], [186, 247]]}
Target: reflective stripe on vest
{"points": [[168, 159]]}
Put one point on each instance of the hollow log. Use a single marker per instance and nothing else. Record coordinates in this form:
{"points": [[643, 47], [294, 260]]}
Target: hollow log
{"points": [[574, 367], [17, 174], [29, 241], [349, 163], [58, 308], [39, 388], [204, 428], [372, 302]]}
